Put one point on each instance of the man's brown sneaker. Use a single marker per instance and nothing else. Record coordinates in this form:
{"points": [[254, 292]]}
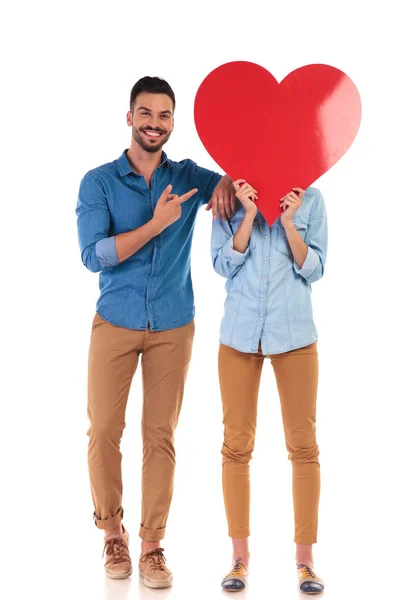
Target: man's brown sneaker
{"points": [[236, 580], [153, 570], [118, 562], [309, 583]]}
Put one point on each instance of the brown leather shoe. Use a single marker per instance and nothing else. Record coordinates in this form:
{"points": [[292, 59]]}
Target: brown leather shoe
{"points": [[153, 570], [118, 563]]}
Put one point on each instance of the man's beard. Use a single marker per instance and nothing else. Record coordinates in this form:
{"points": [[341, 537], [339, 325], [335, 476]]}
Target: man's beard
{"points": [[147, 146]]}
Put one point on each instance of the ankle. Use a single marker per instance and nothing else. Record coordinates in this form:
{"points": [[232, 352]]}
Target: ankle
{"points": [[244, 558], [241, 550], [149, 546], [304, 555], [115, 530]]}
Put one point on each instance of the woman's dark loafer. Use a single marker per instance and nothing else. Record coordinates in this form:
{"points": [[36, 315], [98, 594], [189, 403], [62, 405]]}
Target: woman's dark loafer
{"points": [[309, 583], [233, 585], [236, 580]]}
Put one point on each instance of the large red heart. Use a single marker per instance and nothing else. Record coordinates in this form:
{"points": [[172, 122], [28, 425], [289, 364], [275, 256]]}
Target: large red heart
{"points": [[276, 135]]}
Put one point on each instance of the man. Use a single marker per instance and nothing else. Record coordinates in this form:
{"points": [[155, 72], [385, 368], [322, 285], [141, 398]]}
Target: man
{"points": [[135, 224]]}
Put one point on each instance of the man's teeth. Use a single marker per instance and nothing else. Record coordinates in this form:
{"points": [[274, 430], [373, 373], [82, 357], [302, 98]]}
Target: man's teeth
{"points": [[153, 133]]}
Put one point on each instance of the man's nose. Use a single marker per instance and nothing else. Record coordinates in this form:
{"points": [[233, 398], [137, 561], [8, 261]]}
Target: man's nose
{"points": [[154, 122]]}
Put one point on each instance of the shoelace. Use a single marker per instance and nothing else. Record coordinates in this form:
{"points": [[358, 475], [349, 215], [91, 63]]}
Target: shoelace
{"points": [[309, 571], [156, 558], [237, 566], [117, 548]]}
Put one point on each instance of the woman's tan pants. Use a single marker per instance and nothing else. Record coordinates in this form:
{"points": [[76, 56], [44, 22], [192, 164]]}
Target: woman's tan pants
{"points": [[296, 375]]}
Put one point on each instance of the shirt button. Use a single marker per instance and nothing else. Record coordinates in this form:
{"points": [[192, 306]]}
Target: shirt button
{"points": [[261, 318], [263, 278], [265, 258], [266, 237], [262, 299]]}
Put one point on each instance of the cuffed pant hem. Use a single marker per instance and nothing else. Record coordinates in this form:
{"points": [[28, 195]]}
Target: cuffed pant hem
{"points": [[239, 534], [152, 535], [305, 540], [111, 522]]}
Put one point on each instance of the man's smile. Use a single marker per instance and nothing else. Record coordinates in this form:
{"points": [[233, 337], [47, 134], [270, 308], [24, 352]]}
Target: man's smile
{"points": [[150, 133]]}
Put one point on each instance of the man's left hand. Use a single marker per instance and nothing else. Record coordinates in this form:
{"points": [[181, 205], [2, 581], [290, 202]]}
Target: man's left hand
{"points": [[223, 199]]}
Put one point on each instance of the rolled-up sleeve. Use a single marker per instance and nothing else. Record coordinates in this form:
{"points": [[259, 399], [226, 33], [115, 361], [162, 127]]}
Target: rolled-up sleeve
{"points": [[316, 239], [106, 252], [98, 251], [226, 261]]}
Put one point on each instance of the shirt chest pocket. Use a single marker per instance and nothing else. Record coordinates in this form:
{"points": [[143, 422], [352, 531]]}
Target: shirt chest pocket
{"points": [[282, 244]]}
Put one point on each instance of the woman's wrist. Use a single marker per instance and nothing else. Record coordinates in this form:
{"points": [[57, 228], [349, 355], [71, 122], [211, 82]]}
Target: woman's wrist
{"points": [[287, 225], [250, 213]]}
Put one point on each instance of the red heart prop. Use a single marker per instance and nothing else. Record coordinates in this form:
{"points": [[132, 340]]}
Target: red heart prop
{"points": [[276, 135]]}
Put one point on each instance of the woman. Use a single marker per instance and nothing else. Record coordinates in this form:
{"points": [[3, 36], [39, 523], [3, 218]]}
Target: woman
{"points": [[268, 314]]}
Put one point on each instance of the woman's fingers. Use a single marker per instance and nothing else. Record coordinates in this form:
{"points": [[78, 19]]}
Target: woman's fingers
{"points": [[293, 198], [239, 184], [295, 192], [247, 190], [300, 191], [236, 184]]}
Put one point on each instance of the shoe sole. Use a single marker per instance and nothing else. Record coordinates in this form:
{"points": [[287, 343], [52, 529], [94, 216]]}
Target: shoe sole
{"points": [[119, 576], [158, 585]]}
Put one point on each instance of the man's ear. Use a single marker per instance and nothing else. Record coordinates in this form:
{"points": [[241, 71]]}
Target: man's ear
{"points": [[129, 118]]}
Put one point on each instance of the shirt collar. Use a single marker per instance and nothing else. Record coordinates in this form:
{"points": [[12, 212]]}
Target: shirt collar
{"points": [[124, 167]]}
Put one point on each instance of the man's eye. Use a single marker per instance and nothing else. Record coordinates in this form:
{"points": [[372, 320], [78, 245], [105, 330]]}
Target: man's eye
{"points": [[145, 114]]}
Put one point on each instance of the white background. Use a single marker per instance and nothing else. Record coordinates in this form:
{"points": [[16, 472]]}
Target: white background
{"points": [[67, 71]]}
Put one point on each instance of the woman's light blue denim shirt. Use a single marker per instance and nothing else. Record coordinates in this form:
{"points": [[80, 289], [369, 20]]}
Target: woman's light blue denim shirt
{"points": [[268, 295]]}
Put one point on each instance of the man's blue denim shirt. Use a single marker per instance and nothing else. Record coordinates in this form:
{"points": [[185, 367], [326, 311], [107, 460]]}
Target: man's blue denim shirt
{"points": [[152, 287]]}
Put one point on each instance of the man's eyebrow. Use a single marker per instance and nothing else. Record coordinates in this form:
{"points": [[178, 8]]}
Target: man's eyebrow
{"points": [[163, 112]]}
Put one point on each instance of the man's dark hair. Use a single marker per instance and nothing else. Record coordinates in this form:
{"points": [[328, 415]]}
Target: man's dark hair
{"points": [[151, 85]]}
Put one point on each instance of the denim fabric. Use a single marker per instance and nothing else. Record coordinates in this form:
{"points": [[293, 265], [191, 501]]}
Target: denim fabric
{"points": [[268, 295], [154, 285]]}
